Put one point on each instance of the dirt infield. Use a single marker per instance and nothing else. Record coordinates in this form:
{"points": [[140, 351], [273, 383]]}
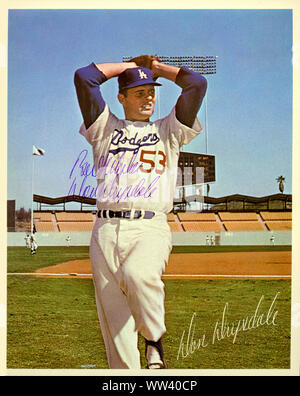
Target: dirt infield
{"points": [[243, 265]]}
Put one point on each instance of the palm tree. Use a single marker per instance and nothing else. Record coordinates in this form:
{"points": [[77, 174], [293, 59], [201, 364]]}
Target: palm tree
{"points": [[281, 180]]}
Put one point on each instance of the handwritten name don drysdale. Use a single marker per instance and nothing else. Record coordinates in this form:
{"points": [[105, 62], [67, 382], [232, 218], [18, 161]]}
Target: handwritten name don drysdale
{"points": [[223, 329]]}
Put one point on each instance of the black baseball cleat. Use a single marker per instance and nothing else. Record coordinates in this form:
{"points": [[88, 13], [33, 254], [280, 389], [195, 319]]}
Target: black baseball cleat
{"points": [[155, 355]]}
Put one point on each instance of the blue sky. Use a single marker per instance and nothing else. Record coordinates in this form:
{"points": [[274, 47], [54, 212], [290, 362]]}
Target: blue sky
{"points": [[249, 99]]}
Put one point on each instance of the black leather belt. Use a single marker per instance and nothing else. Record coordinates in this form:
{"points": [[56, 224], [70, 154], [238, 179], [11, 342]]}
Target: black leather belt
{"points": [[110, 214]]}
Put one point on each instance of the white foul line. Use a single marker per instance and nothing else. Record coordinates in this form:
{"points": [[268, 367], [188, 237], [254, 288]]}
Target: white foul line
{"points": [[234, 276], [47, 274], [167, 275]]}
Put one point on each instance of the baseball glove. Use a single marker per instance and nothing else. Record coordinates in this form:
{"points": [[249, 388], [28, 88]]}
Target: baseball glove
{"points": [[144, 60]]}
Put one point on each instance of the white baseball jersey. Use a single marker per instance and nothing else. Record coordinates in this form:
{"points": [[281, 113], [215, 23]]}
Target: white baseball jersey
{"points": [[136, 162]]}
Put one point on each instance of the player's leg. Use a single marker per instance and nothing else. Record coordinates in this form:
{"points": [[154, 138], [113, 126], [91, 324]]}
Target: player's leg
{"points": [[117, 323], [148, 248]]}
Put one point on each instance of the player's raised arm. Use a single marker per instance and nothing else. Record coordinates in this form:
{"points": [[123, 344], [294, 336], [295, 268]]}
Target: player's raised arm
{"points": [[193, 86], [87, 81], [163, 70], [114, 69]]}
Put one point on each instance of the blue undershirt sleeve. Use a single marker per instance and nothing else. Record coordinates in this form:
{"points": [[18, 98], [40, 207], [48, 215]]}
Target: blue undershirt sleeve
{"points": [[87, 81], [194, 87]]}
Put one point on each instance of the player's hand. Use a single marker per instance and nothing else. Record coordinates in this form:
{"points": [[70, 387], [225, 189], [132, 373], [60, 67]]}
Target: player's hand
{"points": [[154, 69], [146, 61]]}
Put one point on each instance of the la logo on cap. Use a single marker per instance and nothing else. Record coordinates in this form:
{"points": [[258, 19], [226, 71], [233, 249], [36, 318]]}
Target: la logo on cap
{"points": [[142, 74]]}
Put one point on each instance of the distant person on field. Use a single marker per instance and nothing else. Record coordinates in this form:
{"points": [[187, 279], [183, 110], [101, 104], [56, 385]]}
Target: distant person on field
{"points": [[33, 244], [68, 239], [27, 240]]}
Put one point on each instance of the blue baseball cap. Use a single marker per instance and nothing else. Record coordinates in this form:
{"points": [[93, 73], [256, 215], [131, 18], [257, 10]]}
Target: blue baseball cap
{"points": [[131, 78]]}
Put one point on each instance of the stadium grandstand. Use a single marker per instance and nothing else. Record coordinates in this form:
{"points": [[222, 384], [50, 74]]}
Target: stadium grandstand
{"points": [[229, 220], [230, 213]]}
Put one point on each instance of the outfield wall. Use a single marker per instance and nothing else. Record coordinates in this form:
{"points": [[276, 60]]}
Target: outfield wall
{"points": [[179, 238], [233, 238]]}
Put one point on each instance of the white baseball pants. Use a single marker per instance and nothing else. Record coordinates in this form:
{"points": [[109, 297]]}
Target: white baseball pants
{"points": [[128, 258]]}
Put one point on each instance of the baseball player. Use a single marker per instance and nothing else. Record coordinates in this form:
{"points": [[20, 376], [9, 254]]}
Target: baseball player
{"points": [[27, 240], [272, 240], [68, 240], [33, 244], [135, 162]]}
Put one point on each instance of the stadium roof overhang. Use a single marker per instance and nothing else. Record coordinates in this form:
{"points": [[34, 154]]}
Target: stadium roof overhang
{"points": [[61, 200], [192, 198], [240, 197]]}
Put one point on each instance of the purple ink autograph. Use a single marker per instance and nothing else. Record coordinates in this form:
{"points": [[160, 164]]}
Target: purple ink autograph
{"points": [[118, 180], [109, 168]]}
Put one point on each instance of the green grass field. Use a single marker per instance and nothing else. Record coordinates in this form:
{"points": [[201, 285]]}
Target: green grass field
{"points": [[53, 324]]}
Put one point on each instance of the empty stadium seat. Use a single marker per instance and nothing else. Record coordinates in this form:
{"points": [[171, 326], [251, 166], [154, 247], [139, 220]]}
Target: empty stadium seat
{"points": [[201, 226], [174, 227], [44, 226], [276, 225], [238, 216], [42, 216], [73, 216], [190, 216], [70, 226], [170, 217], [243, 226], [276, 215]]}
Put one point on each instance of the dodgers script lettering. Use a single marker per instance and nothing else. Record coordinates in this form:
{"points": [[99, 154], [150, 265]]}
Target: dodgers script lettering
{"points": [[135, 144]]}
